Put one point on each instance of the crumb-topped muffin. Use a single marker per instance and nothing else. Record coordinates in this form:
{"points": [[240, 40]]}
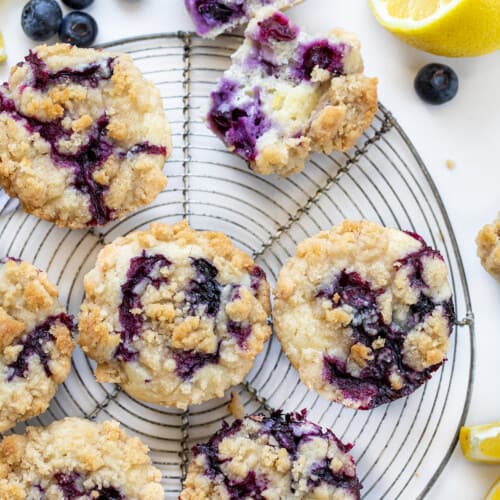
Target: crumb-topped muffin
{"points": [[488, 247], [83, 136], [213, 17], [173, 315], [280, 456], [35, 342], [364, 313], [77, 459], [288, 93]]}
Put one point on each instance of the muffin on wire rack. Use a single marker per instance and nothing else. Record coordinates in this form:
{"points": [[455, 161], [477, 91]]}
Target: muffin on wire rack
{"points": [[364, 313], [173, 315], [35, 342], [83, 136], [289, 93], [77, 459], [278, 456]]}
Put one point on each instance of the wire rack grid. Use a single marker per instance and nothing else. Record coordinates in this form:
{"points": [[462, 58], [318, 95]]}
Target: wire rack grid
{"points": [[400, 448]]}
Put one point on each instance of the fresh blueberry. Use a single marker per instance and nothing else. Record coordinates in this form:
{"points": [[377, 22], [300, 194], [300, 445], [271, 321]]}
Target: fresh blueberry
{"points": [[78, 4], [436, 83], [78, 28], [41, 19]]}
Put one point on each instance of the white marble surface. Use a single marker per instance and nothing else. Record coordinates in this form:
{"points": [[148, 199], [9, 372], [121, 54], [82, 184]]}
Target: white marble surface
{"points": [[467, 131]]}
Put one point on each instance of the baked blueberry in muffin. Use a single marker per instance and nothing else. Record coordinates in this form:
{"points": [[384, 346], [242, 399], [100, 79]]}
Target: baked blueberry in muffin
{"points": [[173, 315], [74, 459], [364, 313], [288, 93], [83, 136], [35, 342], [213, 17], [281, 456], [488, 247]]}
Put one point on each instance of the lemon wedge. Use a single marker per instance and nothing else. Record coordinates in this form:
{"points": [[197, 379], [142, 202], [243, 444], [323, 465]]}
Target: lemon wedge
{"points": [[481, 443], [3, 55], [454, 28], [494, 493]]}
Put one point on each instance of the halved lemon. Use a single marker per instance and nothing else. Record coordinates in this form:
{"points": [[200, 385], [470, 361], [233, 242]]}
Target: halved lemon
{"points": [[3, 55], [494, 492], [454, 28], [481, 443]]}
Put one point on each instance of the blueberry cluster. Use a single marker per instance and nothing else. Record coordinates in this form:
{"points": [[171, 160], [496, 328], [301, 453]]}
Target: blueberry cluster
{"points": [[42, 19]]}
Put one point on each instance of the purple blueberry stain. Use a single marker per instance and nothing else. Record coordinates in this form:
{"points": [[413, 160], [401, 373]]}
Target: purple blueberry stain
{"points": [[257, 276], [210, 450], [209, 14], [276, 27], [34, 344], [239, 125], [240, 332], [143, 271], [321, 54], [189, 362], [108, 493], [204, 290], [71, 485], [373, 385], [322, 473], [98, 147], [90, 75], [148, 148], [251, 486]]}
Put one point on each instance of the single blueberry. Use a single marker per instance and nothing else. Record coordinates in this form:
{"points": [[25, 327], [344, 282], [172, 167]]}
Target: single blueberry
{"points": [[78, 4], [78, 28], [436, 83], [41, 19]]}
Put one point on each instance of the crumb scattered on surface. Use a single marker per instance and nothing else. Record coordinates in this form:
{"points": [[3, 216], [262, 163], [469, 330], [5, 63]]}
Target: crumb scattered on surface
{"points": [[450, 164], [235, 406]]}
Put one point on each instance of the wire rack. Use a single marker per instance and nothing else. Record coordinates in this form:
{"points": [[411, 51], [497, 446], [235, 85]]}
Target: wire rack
{"points": [[400, 448]]}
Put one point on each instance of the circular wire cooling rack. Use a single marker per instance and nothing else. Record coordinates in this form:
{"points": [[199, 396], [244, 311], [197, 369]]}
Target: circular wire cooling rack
{"points": [[400, 448]]}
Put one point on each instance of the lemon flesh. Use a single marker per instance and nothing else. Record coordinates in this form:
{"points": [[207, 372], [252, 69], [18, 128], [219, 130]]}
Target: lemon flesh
{"points": [[494, 493], [481, 443], [453, 28], [3, 55]]}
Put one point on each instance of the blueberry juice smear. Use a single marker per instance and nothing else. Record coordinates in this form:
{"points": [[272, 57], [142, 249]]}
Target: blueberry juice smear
{"points": [[143, 271], [34, 343], [241, 125]]}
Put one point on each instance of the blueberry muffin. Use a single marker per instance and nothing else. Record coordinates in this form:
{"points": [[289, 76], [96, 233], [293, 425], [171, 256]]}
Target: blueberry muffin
{"points": [[488, 247], [35, 342], [281, 456], [288, 93], [213, 17], [175, 316], [83, 136], [77, 459], [364, 313]]}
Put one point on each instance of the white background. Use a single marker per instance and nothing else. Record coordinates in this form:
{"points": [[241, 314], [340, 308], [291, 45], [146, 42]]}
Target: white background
{"points": [[467, 131]]}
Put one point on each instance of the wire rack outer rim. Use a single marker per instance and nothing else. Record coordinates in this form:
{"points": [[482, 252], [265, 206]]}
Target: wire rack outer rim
{"points": [[469, 318]]}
